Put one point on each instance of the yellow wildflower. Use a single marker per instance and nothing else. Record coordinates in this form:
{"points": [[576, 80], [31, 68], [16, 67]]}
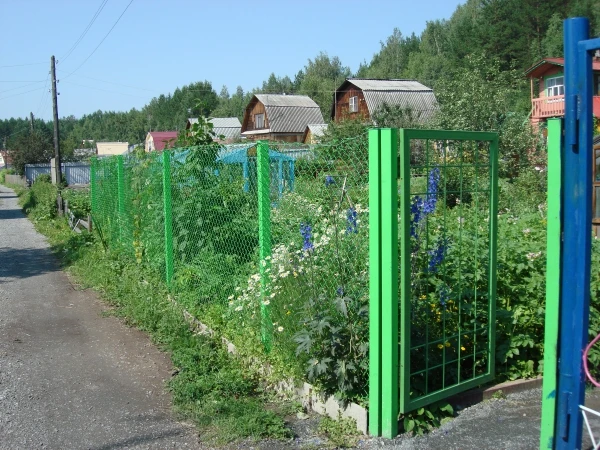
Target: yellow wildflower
{"points": [[440, 346], [447, 344], [463, 349]]}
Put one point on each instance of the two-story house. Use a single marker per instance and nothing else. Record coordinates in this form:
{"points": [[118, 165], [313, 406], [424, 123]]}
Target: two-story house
{"points": [[547, 79]]}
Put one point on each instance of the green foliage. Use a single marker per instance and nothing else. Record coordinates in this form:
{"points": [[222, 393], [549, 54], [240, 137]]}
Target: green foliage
{"points": [[341, 433], [392, 60], [32, 148], [79, 201], [40, 200], [424, 420]]}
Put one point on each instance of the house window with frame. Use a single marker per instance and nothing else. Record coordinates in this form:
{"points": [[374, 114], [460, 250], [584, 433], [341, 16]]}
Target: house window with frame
{"points": [[259, 121], [353, 105], [555, 86]]}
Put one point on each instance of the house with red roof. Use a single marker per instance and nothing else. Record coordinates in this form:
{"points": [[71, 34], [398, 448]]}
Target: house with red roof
{"points": [[159, 140], [547, 78]]}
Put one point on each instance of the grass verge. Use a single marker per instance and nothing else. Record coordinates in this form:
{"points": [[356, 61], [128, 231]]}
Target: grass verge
{"points": [[216, 391]]}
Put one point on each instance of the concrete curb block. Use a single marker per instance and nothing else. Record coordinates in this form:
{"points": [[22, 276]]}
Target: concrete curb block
{"points": [[469, 398], [306, 393]]}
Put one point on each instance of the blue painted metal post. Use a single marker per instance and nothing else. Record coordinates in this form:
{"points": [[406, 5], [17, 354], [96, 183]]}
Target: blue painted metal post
{"points": [[292, 176], [575, 262], [280, 177]]}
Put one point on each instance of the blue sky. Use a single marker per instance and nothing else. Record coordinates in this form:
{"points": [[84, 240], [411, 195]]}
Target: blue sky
{"points": [[159, 45]]}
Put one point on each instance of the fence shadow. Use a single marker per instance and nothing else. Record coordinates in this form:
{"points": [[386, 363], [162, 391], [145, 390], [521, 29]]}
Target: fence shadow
{"points": [[19, 263]]}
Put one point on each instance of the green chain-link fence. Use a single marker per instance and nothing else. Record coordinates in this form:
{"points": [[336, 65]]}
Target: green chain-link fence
{"points": [[265, 243]]}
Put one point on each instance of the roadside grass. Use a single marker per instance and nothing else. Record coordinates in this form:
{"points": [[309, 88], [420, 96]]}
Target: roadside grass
{"points": [[215, 390]]}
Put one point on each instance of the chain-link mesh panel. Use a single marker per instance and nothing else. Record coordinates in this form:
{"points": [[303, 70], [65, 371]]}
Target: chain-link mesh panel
{"points": [[316, 275]]}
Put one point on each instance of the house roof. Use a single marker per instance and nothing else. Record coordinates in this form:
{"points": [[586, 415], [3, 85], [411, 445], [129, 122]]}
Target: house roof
{"points": [[286, 113], [229, 127], [162, 138], [405, 93], [540, 67], [315, 129]]}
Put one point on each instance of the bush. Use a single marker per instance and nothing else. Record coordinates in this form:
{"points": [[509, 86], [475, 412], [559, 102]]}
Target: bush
{"points": [[5, 172], [43, 178], [40, 200]]}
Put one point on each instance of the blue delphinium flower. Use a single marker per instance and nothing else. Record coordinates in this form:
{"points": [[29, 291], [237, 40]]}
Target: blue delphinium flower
{"points": [[416, 212], [432, 188], [421, 207], [436, 256], [444, 295], [340, 291], [329, 180], [306, 233], [351, 217]]}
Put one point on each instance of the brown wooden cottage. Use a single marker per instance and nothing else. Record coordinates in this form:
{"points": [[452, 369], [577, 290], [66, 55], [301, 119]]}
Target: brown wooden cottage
{"points": [[362, 97], [279, 117], [547, 79]]}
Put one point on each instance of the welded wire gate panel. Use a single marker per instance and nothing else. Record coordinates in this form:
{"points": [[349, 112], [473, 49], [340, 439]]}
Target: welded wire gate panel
{"points": [[447, 258]]}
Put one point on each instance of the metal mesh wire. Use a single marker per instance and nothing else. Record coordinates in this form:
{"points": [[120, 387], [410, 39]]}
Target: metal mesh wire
{"points": [[265, 242]]}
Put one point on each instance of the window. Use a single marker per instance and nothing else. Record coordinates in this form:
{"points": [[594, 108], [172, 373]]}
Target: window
{"points": [[555, 86], [259, 121], [353, 104]]}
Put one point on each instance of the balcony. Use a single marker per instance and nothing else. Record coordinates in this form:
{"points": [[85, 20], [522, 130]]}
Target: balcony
{"points": [[545, 107]]}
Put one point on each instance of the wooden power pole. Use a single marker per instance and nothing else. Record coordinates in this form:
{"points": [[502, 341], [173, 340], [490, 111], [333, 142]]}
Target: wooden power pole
{"points": [[31, 121], [56, 136]]}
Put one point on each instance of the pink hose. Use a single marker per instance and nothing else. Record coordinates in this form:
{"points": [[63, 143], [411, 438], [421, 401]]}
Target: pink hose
{"points": [[585, 361]]}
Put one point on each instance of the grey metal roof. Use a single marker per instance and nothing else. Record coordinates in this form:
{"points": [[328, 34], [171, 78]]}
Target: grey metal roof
{"points": [[225, 122], [368, 84], [286, 100], [408, 94], [292, 119], [317, 129]]}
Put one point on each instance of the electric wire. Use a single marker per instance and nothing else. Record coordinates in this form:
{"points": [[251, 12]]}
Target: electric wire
{"points": [[112, 82], [103, 39], [87, 28]]}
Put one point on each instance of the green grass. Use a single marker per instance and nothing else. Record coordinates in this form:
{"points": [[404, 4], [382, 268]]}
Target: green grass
{"points": [[210, 387]]}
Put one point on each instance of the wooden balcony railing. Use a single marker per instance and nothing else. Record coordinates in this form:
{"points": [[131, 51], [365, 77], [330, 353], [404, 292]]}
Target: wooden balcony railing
{"points": [[548, 107], [555, 107]]}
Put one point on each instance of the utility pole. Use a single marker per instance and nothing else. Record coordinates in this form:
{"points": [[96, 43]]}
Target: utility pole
{"points": [[31, 121], [56, 136], [5, 153]]}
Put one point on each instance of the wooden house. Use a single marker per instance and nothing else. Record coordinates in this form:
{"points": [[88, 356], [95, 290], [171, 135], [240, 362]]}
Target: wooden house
{"points": [[111, 148], [279, 117], [547, 79], [159, 140], [362, 97]]}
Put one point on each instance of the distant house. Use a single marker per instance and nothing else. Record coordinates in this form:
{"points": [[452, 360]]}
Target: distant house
{"points": [[547, 79], [228, 127], [362, 97], [313, 132], [279, 117], [159, 140], [111, 148]]}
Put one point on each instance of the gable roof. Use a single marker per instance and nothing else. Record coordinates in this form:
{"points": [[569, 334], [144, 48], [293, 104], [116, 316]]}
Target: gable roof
{"points": [[405, 93], [540, 67], [286, 113], [162, 138]]}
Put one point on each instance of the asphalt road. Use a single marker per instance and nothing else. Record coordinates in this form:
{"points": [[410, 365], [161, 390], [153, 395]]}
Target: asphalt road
{"points": [[70, 378]]}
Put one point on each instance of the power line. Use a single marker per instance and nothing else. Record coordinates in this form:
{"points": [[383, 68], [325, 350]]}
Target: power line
{"points": [[112, 82], [89, 25], [22, 65], [103, 39], [103, 90], [21, 93], [19, 87]]}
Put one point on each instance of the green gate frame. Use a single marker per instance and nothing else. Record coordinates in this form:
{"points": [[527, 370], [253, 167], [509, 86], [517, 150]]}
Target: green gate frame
{"points": [[389, 378]]}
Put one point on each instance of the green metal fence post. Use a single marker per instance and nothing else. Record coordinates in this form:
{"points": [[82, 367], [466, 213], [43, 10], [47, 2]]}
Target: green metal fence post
{"points": [[264, 239], [553, 256], [166, 159], [93, 187], [120, 195], [375, 282], [389, 282], [493, 251]]}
